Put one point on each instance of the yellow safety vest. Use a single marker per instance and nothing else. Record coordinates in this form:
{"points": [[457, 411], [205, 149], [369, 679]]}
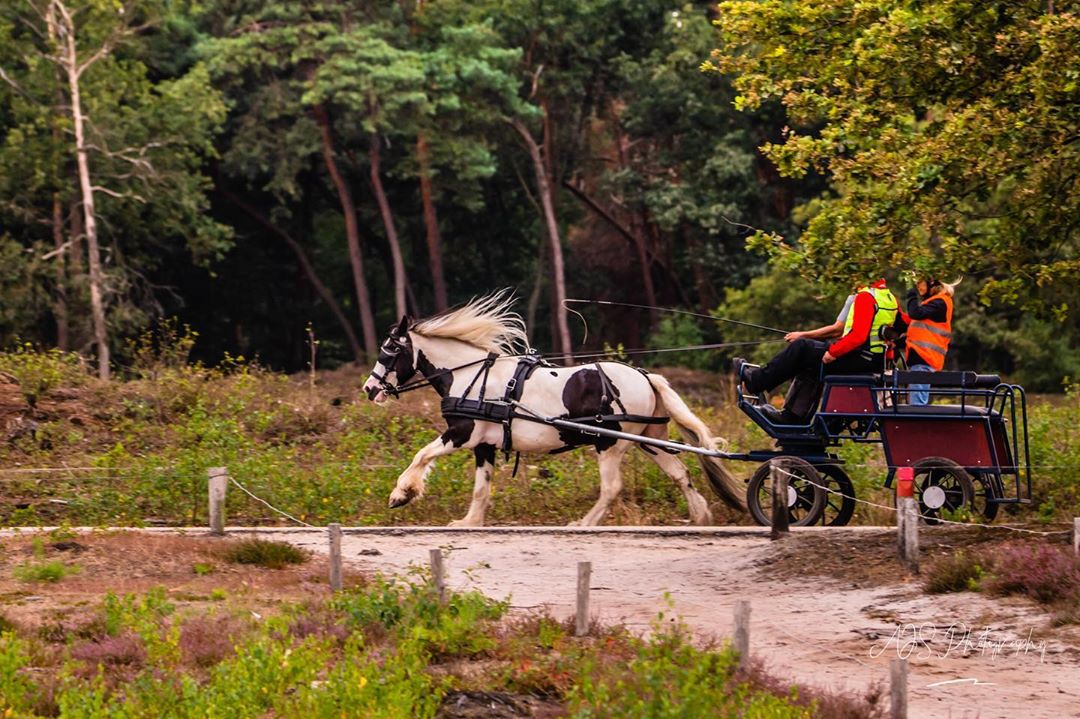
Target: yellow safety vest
{"points": [[885, 309]]}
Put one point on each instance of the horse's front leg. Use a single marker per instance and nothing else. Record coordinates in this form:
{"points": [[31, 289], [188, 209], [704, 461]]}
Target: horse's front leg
{"points": [[410, 484], [610, 483], [481, 496]]}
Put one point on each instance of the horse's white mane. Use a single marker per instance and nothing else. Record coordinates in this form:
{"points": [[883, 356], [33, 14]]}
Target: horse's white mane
{"points": [[486, 322]]}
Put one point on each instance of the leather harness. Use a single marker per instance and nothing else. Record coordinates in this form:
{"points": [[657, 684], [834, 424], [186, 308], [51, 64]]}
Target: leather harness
{"points": [[502, 411]]}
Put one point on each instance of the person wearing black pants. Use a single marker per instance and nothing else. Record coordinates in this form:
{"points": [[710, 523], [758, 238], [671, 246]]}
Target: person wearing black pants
{"points": [[859, 350], [801, 361]]}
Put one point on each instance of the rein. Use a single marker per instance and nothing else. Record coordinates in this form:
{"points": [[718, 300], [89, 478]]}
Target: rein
{"points": [[395, 391], [674, 311]]}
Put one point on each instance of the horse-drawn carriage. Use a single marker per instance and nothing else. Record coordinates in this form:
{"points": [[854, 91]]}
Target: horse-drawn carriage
{"points": [[970, 451]]}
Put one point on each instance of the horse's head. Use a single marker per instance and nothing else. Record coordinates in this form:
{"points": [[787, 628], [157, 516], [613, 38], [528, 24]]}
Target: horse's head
{"points": [[396, 364]]}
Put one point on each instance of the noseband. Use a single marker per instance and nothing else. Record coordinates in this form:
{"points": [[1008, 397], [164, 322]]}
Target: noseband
{"points": [[388, 358]]}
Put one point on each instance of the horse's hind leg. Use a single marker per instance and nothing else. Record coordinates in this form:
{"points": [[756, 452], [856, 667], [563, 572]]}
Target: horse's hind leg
{"points": [[674, 468], [481, 496], [610, 483]]}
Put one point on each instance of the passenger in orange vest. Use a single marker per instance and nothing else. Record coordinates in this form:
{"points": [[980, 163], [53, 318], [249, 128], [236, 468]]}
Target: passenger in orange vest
{"points": [[930, 313]]}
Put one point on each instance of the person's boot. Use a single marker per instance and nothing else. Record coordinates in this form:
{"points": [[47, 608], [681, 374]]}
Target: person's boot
{"points": [[780, 416], [744, 376]]}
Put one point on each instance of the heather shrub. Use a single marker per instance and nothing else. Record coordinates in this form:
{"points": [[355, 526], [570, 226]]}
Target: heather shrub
{"points": [[1044, 572], [958, 572], [124, 651], [209, 639]]}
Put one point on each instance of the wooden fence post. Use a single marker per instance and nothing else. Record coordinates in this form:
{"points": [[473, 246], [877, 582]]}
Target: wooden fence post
{"points": [[907, 519], [219, 480], [898, 689], [335, 557], [1076, 536], [742, 632], [779, 500], [581, 619], [438, 579]]}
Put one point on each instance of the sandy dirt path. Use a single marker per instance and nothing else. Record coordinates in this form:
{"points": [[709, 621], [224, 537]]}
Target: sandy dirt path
{"points": [[820, 630]]}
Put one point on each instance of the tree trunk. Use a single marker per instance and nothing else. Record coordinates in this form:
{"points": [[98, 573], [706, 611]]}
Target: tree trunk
{"points": [[352, 233], [309, 271], [86, 188], [60, 304], [431, 224], [558, 275], [637, 241], [374, 158]]}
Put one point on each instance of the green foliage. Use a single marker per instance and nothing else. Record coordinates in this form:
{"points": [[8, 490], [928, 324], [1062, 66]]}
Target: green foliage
{"points": [[413, 610], [265, 553], [668, 678], [149, 136], [17, 691], [166, 347], [680, 331], [51, 571], [776, 299], [38, 371], [1055, 455], [40, 570], [959, 572], [943, 128]]}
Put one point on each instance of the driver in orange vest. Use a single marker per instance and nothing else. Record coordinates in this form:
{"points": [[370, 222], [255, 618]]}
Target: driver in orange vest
{"points": [[930, 313]]}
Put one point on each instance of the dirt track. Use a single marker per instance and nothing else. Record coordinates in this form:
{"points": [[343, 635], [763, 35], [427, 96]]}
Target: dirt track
{"points": [[820, 630]]}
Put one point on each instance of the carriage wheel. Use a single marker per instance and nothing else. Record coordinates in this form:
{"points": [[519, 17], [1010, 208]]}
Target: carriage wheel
{"points": [[839, 508], [986, 486], [941, 485], [806, 501]]}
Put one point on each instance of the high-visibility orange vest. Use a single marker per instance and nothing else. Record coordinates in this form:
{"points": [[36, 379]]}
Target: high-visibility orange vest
{"points": [[932, 338]]}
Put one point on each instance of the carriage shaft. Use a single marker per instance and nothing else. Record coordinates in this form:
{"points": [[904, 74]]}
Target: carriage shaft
{"points": [[640, 439]]}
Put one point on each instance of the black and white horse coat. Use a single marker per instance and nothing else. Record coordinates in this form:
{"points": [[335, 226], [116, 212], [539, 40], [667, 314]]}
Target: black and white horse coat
{"points": [[452, 366]]}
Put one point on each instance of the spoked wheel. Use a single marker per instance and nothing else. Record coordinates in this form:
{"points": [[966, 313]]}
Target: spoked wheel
{"points": [[986, 486], [839, 508], [941, 485], [805, 500]]}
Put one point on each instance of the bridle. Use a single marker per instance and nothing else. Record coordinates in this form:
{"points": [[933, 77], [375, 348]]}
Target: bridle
{"points": [[395, 346], [389, 352]]}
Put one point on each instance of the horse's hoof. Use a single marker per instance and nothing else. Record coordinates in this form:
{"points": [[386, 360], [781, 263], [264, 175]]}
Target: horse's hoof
{"points": [[399, 498], [463, 523]]}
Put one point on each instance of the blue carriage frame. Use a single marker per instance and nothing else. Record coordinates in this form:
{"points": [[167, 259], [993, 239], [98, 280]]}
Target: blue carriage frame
{"points": [[983, 426]]}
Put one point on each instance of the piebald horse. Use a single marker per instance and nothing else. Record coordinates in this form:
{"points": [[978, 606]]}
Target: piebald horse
{"points": [[449, 351]]}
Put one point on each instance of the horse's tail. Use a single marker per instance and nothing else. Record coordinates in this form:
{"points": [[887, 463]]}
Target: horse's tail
{"points": [[726, 486]]}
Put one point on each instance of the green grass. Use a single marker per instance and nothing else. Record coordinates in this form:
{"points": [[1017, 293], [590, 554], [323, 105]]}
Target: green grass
{"points": [[51, 571], [329, 455], [264, 553], [959, 572]]}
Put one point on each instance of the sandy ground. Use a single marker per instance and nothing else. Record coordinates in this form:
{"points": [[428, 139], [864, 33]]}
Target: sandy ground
{"points": [[969, 656]]}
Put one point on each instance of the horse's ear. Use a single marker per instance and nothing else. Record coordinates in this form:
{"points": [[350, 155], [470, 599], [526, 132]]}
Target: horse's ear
{"points": [[403, 326]]}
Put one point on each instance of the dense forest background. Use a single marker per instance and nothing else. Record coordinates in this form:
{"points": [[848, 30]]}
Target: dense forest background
{"points": [[272, 172]]}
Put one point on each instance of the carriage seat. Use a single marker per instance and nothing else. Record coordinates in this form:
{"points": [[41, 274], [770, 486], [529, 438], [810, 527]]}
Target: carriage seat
{"points": [[962, 380], [945, 410]]}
